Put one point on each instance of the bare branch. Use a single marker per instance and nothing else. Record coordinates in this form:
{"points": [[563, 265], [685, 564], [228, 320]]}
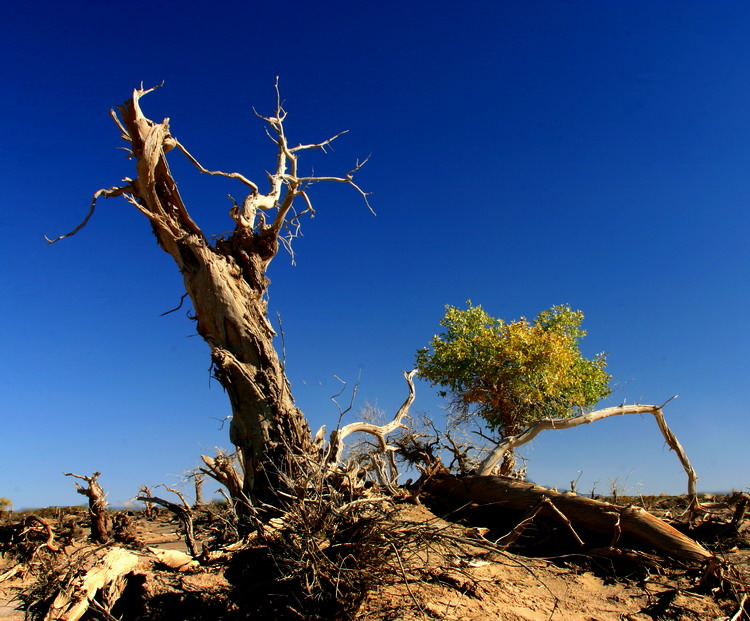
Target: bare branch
{"points": [[179, 495], [178, 307], [49, 544], [333, 398], [320, 145], [336, 441], [118, 122], [114, 191], [661, 407], [531, 432], [184, 513], [218, 173], [348, 179]]}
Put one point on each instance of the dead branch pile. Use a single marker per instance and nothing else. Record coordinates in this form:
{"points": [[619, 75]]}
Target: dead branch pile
{"points": [[318, 558]]}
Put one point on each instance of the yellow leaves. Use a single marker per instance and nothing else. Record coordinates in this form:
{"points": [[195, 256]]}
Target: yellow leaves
{"points": [[514, 373]]}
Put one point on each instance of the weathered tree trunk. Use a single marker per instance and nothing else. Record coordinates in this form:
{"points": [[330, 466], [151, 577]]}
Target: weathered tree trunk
{"points": [[97, 505], [596, 516], [198, 478], [227, 284]]}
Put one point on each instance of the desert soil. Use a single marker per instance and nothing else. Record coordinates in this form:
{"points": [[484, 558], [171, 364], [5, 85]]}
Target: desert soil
{"points": [[468, 583]]}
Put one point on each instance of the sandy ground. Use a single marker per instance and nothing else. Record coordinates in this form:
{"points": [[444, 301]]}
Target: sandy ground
{"points": [[467, 584]]}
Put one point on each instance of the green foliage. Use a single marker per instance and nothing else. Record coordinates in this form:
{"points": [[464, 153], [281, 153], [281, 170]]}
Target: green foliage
{"points": [[512, 374]]}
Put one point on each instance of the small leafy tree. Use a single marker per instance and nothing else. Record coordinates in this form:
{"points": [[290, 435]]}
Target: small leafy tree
{"points": [[511, 374], [5, 505]]}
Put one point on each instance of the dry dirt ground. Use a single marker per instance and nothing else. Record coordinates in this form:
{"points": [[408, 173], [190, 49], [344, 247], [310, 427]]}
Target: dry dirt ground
{"points": [[444, 579]]}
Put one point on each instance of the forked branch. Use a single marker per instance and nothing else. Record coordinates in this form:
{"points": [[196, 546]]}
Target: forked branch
{"points": [[154, 192], [336, 441]]}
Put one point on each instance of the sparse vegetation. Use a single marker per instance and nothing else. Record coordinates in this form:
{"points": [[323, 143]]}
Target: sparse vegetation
{"points": [[311, 531]]}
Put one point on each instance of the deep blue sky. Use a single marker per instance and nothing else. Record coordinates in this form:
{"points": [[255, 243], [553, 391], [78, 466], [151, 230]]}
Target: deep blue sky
{"points": [[524, 154]]}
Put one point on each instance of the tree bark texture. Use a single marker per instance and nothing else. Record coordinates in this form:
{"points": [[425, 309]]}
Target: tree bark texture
{"points": [[596, 516]]}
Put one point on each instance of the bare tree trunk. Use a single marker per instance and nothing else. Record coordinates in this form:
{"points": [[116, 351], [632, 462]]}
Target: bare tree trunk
{"points": [[97, 505], [596, 516], [198, 480], [227, 284], [146, 491]]}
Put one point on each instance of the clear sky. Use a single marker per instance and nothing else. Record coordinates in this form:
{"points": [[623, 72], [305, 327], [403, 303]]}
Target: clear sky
{"points": [[524, 154]]}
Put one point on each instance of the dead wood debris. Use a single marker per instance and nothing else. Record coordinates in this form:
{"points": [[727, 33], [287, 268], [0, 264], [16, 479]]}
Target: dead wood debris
{"points": [[313, 562]]}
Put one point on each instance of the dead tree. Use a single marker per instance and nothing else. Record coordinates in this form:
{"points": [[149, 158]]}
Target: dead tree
{"points": [[97, 505], [183, 512], [198, 478], [227, 282]]}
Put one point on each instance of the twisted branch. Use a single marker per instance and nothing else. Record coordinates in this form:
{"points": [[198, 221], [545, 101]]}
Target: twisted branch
{"points": [[511, 442], [336, 441]]}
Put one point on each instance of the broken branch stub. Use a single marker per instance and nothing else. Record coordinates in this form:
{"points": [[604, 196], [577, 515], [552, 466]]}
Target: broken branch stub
{"points": [[97, 505]]}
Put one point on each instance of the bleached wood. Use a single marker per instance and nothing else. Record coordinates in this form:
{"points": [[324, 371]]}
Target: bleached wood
{"points": [[512, 442], [71, 604], [336, 441]]}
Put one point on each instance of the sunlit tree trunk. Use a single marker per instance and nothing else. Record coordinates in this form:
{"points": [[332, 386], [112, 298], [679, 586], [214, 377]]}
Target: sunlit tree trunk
{"points": [[227, 284]]}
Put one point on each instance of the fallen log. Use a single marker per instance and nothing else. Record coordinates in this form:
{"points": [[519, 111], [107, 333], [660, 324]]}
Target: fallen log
{"points": [[107, 576], [593, 515]]}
